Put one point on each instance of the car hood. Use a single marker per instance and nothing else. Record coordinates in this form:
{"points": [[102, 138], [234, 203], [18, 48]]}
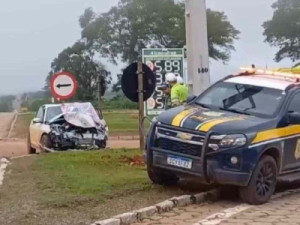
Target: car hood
{"points": [[194, 117], [80, 115]]}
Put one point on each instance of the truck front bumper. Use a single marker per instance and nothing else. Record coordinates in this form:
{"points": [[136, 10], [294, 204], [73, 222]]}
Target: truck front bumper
{"points": [[211, 174]]}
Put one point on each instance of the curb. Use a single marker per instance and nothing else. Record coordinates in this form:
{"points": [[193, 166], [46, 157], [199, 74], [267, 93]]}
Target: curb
{"points": [[12, 126], [124, 138], [162, 207], [4, 162]]}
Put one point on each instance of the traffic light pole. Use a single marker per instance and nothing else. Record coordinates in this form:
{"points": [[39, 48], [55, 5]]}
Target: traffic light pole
{"points": [[197, 46]]}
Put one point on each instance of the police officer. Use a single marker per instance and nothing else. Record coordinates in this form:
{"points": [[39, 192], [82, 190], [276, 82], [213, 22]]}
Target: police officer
{"points": [[167, 95], [179, 92]]}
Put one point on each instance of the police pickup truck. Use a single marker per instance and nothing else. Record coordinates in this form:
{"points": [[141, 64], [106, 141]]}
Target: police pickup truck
{"points": [[242, 131]]}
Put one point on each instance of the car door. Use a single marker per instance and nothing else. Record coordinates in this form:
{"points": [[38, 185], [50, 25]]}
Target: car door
{"points": [[291, 156], [35, 128]]}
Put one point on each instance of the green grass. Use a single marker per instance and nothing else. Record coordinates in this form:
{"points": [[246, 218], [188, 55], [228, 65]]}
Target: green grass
{"points": [[90, 175], [77, 188], [22, 125], [119, 123], [122, 123]]}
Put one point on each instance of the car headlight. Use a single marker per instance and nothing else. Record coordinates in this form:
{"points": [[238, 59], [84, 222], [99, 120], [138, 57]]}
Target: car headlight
{"points": [[227, 141]]}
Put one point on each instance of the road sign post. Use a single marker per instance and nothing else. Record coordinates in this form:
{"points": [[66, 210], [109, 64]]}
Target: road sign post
{"points": [[161, 62], [141, 104], [138, 85], [63, 86]]}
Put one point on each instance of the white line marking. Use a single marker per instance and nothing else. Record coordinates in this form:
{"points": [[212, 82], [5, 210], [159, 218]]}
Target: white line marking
{"points": [[22, 156], [3, 164], [217, 218], [12, 125]]}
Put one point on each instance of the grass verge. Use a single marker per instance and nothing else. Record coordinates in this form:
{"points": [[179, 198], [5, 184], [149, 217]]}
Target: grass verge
{"points": [[88, 176], [22, 125], [76, 188]]}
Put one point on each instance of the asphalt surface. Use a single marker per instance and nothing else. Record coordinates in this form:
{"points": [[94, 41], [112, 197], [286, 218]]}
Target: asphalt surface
{"points": [[283, 208], [10, 147]]}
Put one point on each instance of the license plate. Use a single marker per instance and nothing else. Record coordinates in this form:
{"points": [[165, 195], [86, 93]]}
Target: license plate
{"points": [[179, 162]]}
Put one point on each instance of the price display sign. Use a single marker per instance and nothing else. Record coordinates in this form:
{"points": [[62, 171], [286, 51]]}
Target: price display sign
{"points": [[162, 61]]}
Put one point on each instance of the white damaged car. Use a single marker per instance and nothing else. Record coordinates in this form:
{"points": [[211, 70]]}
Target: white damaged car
{"points": [[60, 127]]}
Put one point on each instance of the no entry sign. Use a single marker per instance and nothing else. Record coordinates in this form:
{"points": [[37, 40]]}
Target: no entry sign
{"points": [[63, 85]]}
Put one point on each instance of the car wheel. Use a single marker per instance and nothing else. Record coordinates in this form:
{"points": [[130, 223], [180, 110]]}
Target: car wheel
{"points": [[46, 143], [30, 149], [262, 184], [158, 176], [101, 144]]}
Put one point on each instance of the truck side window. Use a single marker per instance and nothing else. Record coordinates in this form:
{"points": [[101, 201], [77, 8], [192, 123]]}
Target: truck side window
{"points": [[40, 114], [295, 104]]}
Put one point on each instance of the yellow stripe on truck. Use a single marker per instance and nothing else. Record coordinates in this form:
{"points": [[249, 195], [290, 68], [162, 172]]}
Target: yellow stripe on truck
{"points": [[181, 116], [276, 133], [212, 123]]}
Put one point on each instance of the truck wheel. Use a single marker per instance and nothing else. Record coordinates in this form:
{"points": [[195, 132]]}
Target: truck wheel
{"points": [[30, 149], [46, 143], [158, 176], [262, 184], [161, 177]]}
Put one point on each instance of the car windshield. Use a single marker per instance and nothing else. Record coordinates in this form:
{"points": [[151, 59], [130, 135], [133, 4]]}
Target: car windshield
{"points": [[242, 98], [52, 112]]}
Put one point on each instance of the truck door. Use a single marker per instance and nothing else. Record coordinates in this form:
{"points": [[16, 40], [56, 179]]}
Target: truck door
{"points": [[291, 154]]}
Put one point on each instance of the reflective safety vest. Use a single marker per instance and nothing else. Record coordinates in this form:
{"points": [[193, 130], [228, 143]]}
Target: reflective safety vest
{"points": [[179, 94]]}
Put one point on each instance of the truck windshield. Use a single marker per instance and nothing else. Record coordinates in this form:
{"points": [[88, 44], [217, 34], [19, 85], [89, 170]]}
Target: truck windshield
{"points": [[248, 99]]}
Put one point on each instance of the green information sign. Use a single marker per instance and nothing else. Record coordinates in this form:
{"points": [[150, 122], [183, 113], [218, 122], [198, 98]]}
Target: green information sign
{"points": [[162, 61]]}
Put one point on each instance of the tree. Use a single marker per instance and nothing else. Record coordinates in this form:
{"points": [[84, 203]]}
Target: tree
{"points": [[136, 24], [117, 85], [87, 17], [283, 30], [79, 61], [6, 103]]}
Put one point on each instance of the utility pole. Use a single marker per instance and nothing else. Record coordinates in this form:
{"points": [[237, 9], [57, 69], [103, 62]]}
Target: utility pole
{"points": [[197, 46], [99, 92]]}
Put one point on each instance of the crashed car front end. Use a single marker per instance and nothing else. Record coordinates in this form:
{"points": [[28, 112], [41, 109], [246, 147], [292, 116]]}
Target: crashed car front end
{"points": [[67, 136], [78, 127]]}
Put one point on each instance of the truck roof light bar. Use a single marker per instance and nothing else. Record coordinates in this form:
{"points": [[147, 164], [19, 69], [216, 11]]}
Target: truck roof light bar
{"points": [[254, 71]]}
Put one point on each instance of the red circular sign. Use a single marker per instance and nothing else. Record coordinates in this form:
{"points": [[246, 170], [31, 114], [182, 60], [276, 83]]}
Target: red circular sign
{"points": [[63, 85]]}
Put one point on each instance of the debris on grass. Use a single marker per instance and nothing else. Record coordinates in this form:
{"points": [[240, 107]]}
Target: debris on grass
{"points": [[136, 160]]}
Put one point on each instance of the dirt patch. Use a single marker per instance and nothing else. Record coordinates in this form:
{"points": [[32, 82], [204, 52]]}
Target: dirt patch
{"points": [[5, 123], [116, 144], [13, 147], [133, 161]]}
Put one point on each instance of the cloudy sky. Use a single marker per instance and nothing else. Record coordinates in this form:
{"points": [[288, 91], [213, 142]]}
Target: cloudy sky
{"points": [[33, 32]]}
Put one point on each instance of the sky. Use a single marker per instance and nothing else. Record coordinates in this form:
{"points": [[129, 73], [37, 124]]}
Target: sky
{"points": [[33, 32]]}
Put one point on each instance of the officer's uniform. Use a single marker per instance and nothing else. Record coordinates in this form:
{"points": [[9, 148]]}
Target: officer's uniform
{"points": [[179, 94]]}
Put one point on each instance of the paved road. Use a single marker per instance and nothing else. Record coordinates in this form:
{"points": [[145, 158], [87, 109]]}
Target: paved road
{"points": [[9, 147], [283, 209], [5, 123], [188, 215]]}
